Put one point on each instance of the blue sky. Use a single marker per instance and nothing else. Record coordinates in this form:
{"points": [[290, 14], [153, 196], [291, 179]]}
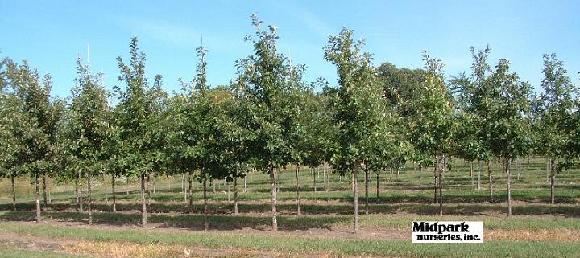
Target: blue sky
{"points": [[51, 34]]}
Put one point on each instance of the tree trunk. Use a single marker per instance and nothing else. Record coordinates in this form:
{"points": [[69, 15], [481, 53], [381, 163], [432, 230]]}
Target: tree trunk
{"points": [[245, 183], [509, 185], [479, 175], [229, 190], [190, 191], [314, 179], [37, 196], [298, 190], [443, 165], [277, 173], [13, 192], [548, 168], [143, 201], [147, 180], [490, 180], [436, 179], [127, 186], [366, 191], [113, 192], [78, 192], [44, 196], [378, 191], [355, 198], [153, 182], [553, 168], [471, 173], [325, 175], [90, 203], [205, 221], [183, 187], [236, 194], [272, 173]]}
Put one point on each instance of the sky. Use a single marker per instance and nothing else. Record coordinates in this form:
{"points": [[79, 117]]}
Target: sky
{"points": [[52, 34]]}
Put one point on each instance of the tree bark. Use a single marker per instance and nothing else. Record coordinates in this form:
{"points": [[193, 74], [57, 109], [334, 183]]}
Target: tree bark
{"points": [[37, 196], [229, 192], [325, 175], [436, 179], [89, 205], [183, 187], [298, 190], [314, 179], [113, 192], [13, 192], [236, 194], [553, 168], [471, 173], [548, 168], [442, 165], [490, 180], [272, 173], [509, 185], [205, 221], [127, 185], [479, 175], [147, 181], [78, 192], [44, 196], [190, 191], [143, 201], [245, 183], [355, 198], [153, 182], [378, 189], [366, 191]]}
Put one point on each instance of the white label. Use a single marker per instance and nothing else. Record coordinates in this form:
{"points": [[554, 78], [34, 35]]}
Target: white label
{"points": [[447, 231]]}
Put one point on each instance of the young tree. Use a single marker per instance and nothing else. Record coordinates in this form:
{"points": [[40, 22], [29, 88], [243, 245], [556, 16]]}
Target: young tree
{"points": [[91, 125], [138, 123], [555, 116], [477, 95], [13, 126], [39, 127], [267, 89], [434, 126], [358, 108], [508, 119]]}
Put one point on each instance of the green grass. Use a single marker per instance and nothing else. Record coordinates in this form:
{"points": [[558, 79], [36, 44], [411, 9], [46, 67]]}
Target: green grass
{"points": [[376, 222], [303, 244], [13, 252], [410, 186]]}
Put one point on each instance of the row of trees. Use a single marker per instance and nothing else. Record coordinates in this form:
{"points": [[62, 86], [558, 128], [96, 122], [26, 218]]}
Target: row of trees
{"points": [[267, 118]]}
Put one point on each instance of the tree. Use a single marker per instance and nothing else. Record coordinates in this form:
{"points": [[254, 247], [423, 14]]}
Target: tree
{"points": [[138, 123], [266, 87], [433, 125], [476, 96], [508, 119], [90, 122], [13, 125], [38, 132], [358, 107], [555, 117]]}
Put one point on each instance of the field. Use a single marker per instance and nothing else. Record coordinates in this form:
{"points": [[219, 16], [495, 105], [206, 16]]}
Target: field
{"points": [[537, 229]]}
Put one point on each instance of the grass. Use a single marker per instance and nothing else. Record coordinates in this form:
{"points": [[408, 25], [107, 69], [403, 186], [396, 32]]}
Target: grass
{"points": [[301, 244], [326, 212]]}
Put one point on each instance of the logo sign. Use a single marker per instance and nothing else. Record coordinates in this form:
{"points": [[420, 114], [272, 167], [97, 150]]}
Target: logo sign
{"points": [[447, 232]]}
